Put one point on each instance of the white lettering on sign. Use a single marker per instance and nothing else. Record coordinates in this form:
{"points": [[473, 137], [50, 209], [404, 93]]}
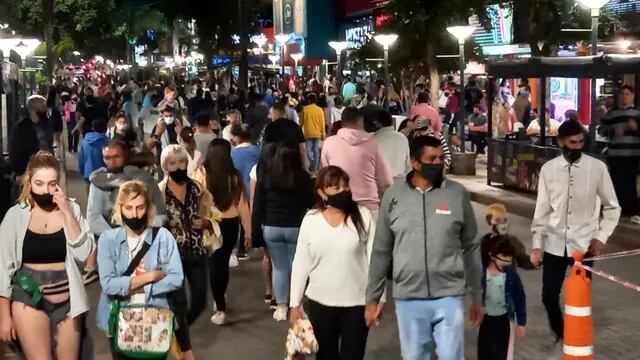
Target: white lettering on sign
{"points": [[358, 36]]}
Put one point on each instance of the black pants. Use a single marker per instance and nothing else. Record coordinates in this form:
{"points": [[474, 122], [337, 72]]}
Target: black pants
{"points": [[553, 275], [219, 261], [493, 337], [74, 138], [341, 331], [624, 173], [195, 272], [115, 355], [479, 139]]}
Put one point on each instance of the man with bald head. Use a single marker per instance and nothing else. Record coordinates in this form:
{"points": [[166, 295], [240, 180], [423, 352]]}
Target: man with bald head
{"points": [[30, 135]]}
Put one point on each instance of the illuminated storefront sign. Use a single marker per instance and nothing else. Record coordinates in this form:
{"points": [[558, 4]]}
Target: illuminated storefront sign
{"points": [[357, 33]]}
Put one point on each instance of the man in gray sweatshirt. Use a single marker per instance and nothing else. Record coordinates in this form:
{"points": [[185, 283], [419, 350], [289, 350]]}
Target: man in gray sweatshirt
{"points": [[427, 230]]}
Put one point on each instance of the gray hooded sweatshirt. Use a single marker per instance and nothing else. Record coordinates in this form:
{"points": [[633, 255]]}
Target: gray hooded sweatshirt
{"points": [[104, 190], [430, 238]]}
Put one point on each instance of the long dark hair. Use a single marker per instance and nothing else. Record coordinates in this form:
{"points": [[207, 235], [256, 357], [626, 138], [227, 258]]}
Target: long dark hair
{"points": [[279, 166], [224, 182], [333, 176]]}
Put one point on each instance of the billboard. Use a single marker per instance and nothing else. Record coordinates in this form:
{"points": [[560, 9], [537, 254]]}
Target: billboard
{"points": [[289, 16]]}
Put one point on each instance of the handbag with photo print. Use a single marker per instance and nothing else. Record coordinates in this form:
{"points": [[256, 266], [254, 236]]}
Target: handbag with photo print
{"points": [[140, 331]]}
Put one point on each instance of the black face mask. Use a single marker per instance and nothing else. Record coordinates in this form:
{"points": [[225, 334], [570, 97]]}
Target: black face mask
{"points": [[571, 155], [216, 131], [340, 201], [135, 224], [116, 170], [179, 176], [434, 173], [42, 115], [44, 201]]}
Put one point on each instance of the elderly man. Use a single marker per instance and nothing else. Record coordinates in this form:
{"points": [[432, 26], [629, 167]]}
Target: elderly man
{"points": [[30, 135]]}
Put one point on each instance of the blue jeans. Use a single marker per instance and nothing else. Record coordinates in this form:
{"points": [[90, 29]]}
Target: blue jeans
{"points": [[425, 322], [281, 243], [313, 153]]}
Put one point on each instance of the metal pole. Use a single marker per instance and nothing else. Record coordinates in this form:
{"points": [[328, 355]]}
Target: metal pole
{"points": [[594, 51], [386, 72], [490, 100], [339, 73], [462, 95], [542, 112]]}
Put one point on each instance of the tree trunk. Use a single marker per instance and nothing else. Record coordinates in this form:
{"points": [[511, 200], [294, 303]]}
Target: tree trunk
{"points": [[434, 78], [243, 78], [48, 13]]}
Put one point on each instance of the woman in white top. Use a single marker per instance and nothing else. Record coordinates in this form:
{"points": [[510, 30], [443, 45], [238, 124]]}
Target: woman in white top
{"points": [[194, 156], [234, 117], [334, 247]]}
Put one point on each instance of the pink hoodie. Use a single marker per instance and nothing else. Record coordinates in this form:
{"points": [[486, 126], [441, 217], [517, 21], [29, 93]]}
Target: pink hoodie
{"points": [[360, 156]]}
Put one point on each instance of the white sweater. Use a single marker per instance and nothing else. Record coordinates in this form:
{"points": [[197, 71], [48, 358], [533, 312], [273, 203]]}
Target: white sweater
{"points": [[334, 260]]}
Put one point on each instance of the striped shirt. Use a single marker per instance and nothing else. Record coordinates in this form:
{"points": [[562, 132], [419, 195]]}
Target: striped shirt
{"points": [[623, 140]]}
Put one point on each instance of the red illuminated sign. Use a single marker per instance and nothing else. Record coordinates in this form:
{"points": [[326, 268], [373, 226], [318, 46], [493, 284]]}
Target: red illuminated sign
{"points": [[382, 19]]}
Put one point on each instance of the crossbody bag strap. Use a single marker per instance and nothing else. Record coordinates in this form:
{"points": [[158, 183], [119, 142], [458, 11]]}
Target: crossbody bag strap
{"points": [[140, 255]]}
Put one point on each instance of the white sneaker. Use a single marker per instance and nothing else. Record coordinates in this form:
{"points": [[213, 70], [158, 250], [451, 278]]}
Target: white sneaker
{"points": [[219, 318], [635, 219], [233, 261], [281, 313]]}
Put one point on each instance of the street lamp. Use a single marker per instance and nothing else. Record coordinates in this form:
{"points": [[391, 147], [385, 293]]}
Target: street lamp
{"points": [[386, 40], [282, 40], [339, 47], [461, 32], [296, 57], [595, 6]]}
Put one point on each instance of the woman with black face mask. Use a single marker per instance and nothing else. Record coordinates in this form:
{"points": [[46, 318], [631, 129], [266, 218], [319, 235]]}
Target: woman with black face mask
{"points": [[44, 239], [334, 248], [160, 266], [189, 222]]}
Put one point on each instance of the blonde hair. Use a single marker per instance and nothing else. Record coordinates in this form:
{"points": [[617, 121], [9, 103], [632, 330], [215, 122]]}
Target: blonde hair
{"points": [[175, 151], [129, 191], [495, 210], [41, 160]]}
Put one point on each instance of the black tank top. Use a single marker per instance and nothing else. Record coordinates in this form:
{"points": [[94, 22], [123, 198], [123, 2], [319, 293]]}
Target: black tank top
{"points": [[44, 248]]}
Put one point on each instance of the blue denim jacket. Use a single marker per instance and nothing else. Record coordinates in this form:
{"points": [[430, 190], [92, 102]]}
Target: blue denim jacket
{"points": [[515, 297], [113, 261]]}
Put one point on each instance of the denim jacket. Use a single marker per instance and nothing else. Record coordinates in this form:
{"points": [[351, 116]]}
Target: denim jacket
{"points": [[113, 261], [14, 227], [515, 297]]}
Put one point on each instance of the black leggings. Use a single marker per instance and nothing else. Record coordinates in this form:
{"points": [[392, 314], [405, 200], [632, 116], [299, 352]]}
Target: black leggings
{"points": [[493, 337], [195, 273], [219, 261], [341, 331]]}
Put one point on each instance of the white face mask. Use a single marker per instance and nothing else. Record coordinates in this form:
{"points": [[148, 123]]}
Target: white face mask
{"points": [[121, 127], [168, 120], [502, 229]]}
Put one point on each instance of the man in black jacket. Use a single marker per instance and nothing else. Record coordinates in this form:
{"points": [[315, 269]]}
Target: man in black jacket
{"points": [[30, 135]]}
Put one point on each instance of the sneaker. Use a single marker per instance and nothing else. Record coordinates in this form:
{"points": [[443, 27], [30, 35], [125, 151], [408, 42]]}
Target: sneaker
{"points": [[273, 304], [281, 313], [219, 318], [635, 219], [243, 255], [233, 261]]}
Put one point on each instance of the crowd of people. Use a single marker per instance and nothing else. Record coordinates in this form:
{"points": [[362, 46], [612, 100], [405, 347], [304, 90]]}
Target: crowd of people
{"points": [[183, 181]]}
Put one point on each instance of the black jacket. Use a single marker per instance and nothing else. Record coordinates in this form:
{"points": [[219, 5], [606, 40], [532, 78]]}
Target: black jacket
{"points": [[24, 143]]}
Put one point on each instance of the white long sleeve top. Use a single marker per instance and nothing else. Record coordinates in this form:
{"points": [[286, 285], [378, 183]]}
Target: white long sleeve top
{"points": [[335, 260], [576, 203]]}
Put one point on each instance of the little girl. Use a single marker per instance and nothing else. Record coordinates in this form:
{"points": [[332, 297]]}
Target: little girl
{"points": [[504, 299]]}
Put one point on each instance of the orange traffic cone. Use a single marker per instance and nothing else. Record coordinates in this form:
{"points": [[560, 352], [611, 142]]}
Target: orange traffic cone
{"points": [[578, 323]]}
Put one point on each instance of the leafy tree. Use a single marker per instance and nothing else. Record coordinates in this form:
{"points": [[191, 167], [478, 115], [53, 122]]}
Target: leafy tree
{"points": [[131, 21], [55, 19], [421, 26]]}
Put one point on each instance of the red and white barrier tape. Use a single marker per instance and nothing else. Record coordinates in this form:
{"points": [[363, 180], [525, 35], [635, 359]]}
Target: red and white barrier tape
{"points": [[625, 283], [614, 255]]}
